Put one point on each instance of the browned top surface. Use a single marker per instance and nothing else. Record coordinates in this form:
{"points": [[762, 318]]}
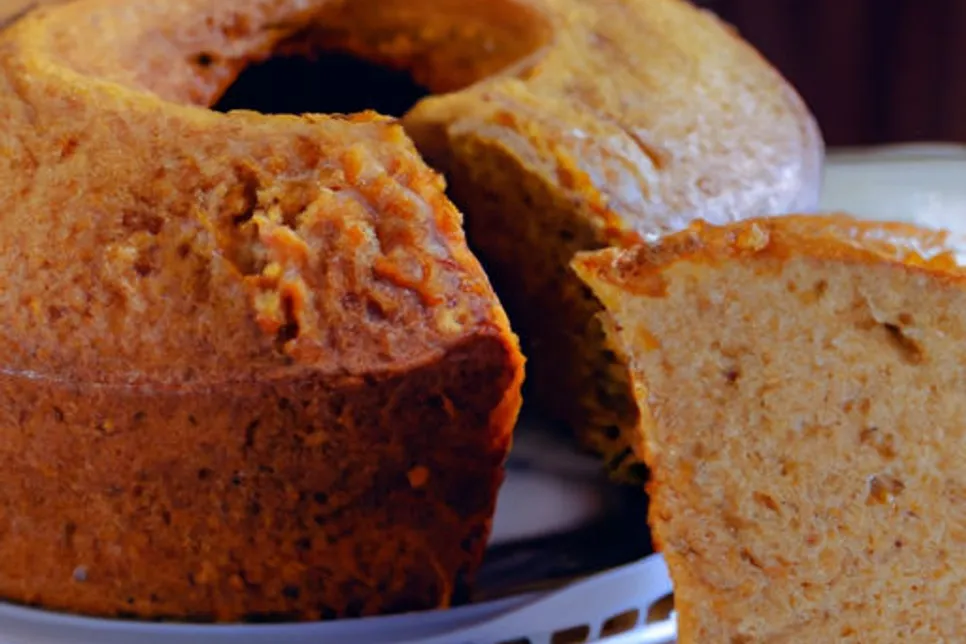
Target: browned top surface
{"points": [[833, 236], [651, 113], [145, 240]]}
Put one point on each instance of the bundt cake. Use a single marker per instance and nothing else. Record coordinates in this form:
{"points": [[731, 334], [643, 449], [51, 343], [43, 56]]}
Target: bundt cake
{"points": [[801, 386], [616, 121], [562, 125], [250, 368]]}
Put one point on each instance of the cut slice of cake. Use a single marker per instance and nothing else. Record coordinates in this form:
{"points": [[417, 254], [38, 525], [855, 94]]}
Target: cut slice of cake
{"points": [[802, 387]]}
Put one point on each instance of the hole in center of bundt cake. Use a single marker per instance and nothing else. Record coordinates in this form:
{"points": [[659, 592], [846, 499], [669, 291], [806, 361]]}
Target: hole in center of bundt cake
{"points": [[344, 57], [329, 82]]}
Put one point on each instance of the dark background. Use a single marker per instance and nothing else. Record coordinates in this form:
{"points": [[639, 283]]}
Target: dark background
{"points": [[873, 71]]}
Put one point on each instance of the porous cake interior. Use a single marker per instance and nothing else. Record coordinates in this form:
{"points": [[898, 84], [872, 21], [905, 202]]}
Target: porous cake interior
{"points": [[527, 233], [807, 440]]}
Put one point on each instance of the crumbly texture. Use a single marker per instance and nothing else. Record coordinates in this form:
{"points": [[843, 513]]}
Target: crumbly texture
{"points": [[617, 121], [250, 368], [800, 381]]}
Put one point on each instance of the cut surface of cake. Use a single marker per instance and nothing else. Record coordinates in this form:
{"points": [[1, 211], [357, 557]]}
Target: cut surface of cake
{"points": [[801, 384], [625, 119]]}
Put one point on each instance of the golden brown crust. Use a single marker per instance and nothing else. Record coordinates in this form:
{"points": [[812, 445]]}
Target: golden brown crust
{"points": [[607, 111], [827, 236], [303, 498], [230, 339]]}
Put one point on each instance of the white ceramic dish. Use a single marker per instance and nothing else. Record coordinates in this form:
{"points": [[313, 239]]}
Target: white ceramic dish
{"points": [[924, 184], [557, 491]]}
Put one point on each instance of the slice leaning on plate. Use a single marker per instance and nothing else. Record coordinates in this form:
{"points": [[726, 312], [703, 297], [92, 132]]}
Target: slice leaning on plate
{"points": [[802, 384]]}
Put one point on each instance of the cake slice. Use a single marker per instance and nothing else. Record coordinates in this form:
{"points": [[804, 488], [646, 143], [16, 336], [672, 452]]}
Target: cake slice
{"points": [[802, 392]]}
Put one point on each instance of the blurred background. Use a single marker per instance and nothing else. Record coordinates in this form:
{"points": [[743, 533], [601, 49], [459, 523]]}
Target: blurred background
{"points": [[873, 71]]}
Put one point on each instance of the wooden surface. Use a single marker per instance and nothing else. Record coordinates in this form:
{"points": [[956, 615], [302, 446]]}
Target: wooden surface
{"points": [[873, 71]]}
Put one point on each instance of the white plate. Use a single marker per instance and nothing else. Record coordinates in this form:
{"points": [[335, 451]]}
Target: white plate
{"points": [[923, 184]]}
